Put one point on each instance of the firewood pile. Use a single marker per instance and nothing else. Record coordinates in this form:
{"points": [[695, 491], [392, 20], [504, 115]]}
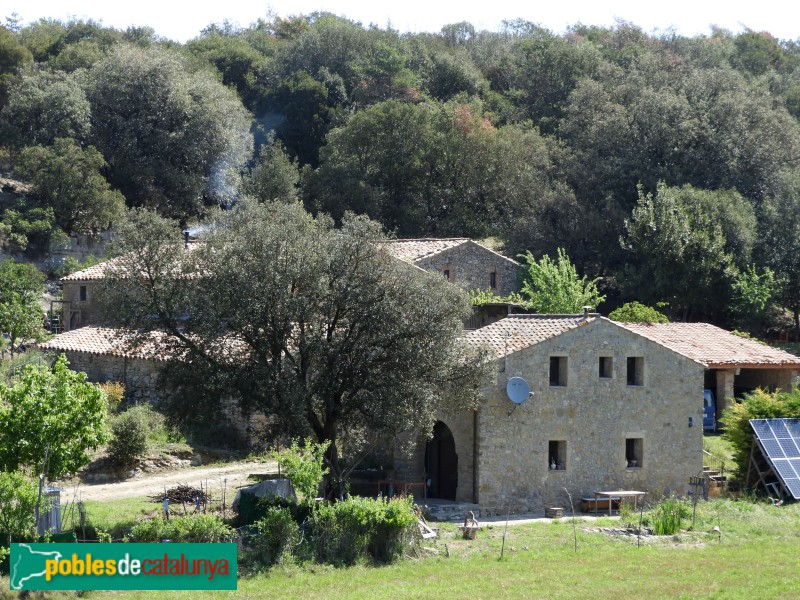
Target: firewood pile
{"points": [[182, 494]]}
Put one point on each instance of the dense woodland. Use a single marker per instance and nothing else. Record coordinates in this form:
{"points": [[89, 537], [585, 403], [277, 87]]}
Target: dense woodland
{"points": [[666, 165]]}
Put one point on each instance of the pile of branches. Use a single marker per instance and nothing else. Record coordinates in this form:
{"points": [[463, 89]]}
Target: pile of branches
{"points": [[182, 494]]}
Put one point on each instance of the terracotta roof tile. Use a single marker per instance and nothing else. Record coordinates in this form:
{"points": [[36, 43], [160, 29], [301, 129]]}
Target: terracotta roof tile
{"points": [[92, 273], [712, 346], [413, 250], [107, 341], [516, 332]]}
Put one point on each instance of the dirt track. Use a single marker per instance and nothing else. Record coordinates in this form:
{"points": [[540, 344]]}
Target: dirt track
{"points": [[149, 485]]}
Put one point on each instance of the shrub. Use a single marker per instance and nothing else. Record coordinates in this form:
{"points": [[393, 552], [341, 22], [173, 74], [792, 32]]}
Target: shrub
{"points": [[303, 466], [758, 404], [18, 496], [668, 515], [115, 392], [188, 528], [344, 532], [131, 430], [252, 508], [276, 535]]}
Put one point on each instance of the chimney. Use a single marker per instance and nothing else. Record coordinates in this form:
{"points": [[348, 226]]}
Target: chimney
{"points": [[186, 239], [586, 310]]}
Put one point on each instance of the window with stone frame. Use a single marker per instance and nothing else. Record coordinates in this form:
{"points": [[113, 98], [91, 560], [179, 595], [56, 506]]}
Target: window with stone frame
{"points": [[493, 279], [82, 293], [449, 273], [635, 371], [558, 371], [557, 455], [606, 367], [634, 452]]}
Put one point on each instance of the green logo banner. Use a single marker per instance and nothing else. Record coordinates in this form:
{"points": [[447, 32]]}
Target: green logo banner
{"points": [[123, 567]]}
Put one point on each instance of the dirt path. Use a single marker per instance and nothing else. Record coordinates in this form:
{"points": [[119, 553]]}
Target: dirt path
{"points": [[149, 485]]}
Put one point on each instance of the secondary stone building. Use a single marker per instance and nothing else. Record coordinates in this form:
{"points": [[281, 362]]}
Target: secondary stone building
{"points": [[614, 406]]}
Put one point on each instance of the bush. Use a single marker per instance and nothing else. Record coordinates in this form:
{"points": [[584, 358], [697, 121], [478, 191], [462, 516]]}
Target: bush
{"points": [[18, 496], [668, 515], [131, 430], [252, 508], [758, 404], [344, 532], [188, 528], [276, 535], [303, 466], [115, 393]]}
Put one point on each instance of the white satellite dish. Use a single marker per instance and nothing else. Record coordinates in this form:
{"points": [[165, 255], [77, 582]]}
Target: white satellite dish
{"points": [[518, 390]]}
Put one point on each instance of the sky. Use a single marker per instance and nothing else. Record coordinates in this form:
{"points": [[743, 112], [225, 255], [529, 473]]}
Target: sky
{"points": [[182, 20]]}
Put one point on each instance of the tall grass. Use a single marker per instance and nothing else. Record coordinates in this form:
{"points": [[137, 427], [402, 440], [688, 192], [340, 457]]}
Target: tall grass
{"points": [[668, 515]]}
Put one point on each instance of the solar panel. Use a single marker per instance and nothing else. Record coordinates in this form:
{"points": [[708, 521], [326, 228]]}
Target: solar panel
{"points": [[780, 442]]}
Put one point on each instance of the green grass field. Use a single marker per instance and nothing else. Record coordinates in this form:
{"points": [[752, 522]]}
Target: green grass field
{"points": [[758, 556]]}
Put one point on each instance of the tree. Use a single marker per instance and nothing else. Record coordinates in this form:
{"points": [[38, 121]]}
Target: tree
{"points": [[636, 312], [46, 105], [753, 297], [21, 288], [274, 177], [780, 241], [51, 413], [13, 55], [554, 287], [68, 179], [677, 253], [174, 137], [318, 328]]}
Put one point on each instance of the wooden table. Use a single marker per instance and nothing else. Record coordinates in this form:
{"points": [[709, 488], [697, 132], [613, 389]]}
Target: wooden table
{"points": [[621, 494]]}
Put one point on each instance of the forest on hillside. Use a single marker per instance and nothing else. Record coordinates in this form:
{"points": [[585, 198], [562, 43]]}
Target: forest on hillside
{"points": [[666, 165]]}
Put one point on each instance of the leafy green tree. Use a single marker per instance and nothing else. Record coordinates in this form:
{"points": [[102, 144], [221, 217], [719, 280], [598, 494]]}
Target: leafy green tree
{"points": [[13, 56], [46, 105], [677, 253], [780, 240], [27, 226], [554, 287], [21, 288], [304, 466], [274, 177], [173, 136], [636, 312], [753, 297], [50, 413], [317, 328], [18, 496], [68, 179]]}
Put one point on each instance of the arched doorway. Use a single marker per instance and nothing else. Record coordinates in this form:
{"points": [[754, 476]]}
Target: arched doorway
{"points": [[441, 463]]}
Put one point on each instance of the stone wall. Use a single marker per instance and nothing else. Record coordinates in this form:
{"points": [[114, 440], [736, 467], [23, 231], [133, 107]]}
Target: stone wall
{"points": [[592, 416], [470, 266], [140, 377], [409, 464], [77, 312], [772, 379]]}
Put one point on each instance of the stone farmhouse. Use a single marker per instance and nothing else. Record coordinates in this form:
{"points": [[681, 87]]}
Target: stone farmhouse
{"points": [[462, 261], [615, 407]]}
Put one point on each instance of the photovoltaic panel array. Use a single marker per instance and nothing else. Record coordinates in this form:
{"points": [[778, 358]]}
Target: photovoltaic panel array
{"points": [[780, 442]]}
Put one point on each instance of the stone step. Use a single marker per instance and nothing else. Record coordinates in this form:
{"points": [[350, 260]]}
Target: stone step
{"points": [[450, 511]]}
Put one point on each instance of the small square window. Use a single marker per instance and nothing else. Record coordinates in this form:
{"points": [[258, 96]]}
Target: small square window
{"points": [[493, 280], [606, 367], [558, 371], [82, 293], [635, 370], [633, 452], [557, 455]]}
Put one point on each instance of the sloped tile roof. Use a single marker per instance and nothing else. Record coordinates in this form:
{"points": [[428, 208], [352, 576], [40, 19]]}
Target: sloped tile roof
{"points": [[107, 341], [412, 250], [93, 273], [713, 347], [516, 332]]}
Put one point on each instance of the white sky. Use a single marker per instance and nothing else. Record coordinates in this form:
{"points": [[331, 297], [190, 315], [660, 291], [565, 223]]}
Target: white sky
{"points": [[182, 20]]}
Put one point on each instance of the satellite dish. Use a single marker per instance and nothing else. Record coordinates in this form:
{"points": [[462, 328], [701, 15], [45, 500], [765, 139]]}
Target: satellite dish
{"points": [[518, 390]]}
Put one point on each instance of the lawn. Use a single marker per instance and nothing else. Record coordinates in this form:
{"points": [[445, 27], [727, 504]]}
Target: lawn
{"points": [[757, 557]]}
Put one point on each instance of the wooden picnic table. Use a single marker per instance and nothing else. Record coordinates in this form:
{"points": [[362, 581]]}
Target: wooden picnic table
{"points": [[621, 494]]}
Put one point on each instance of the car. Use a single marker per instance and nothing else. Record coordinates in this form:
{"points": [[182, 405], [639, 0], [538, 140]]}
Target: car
{"points": [[709, 411]]}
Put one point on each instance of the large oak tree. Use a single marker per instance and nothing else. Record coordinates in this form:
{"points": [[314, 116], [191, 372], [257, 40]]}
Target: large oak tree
{"points": [[316, 327]]}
